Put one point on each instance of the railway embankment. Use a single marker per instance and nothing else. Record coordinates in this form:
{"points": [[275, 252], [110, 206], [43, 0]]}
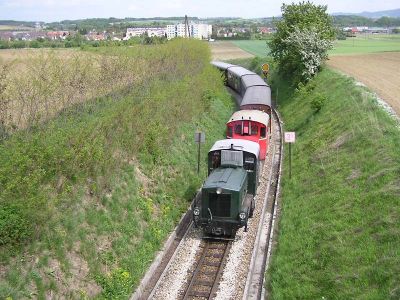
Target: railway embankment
{"points": [[88, 196], [339, 231]]}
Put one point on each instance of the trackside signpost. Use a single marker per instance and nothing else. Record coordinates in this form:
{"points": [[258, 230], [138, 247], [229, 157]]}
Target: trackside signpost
{"points": [[290, 137], [199, 138]]}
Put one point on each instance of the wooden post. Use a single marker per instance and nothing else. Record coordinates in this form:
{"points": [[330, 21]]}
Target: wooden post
{"points": [[198, 159], [290, 160]]}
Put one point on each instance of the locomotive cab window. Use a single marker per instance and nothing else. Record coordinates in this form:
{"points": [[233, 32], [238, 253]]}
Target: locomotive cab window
{"points": [[263, 132], [249, 163], [216, 160]]}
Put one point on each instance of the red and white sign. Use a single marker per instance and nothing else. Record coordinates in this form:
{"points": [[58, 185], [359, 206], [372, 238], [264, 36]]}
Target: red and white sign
{"points": [[290, 137]]}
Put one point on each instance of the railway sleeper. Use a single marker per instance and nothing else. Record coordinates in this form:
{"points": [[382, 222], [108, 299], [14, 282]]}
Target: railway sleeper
{"points": [[199, 294], [212, 264], [204, 283]]}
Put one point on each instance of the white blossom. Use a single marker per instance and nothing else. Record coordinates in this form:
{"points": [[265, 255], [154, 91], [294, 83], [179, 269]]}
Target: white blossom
{"points": [[311, 49]]}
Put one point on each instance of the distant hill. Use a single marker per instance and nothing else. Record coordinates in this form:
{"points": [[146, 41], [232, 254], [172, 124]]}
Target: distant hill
{"points": [[394, 13]]}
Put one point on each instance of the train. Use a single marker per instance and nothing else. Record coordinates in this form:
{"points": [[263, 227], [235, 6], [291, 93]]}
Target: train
{"points": [[227, 198]]}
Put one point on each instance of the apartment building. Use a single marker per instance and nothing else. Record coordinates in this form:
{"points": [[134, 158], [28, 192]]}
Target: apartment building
{"points": [[196, 30]]}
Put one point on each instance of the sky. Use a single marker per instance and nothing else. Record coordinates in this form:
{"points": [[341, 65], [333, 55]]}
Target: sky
{"points": [[57, 10]]}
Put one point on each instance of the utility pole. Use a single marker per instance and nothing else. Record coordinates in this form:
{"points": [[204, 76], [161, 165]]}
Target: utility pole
{"points": [[187, 28]]}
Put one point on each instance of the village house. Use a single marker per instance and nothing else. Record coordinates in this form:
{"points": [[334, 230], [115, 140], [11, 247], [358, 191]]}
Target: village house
{"points": [[57, 35]]}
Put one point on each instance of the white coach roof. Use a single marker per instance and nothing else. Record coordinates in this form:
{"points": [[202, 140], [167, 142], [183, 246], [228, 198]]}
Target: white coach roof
{"points": [[221, 65], [250, 115], [238, 144]]}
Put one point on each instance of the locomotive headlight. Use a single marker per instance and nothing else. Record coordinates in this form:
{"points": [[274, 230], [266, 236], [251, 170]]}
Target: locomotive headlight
{"points": [[242, 215], [219, 191], [196, 211]]}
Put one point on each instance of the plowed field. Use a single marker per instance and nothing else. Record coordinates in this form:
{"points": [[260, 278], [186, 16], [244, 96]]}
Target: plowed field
{"points": [[379, 71], [223, 50]]}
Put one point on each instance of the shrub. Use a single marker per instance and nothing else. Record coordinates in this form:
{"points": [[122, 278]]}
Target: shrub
{"points": [[318, 102]]}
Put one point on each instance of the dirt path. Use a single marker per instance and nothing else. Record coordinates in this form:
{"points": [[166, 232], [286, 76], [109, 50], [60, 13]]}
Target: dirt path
{"points": [[222, 50], [379, 71]]}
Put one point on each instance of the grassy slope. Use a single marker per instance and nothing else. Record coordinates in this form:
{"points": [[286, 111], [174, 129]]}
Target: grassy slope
{"points": [[339, 230], [106, 182]]}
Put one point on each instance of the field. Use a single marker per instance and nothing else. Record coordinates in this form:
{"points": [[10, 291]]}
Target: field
{"points": [[255, 47], [379, 71], [19, 55], [368, 43], [223, 50], [10, 27], [363, 44]]}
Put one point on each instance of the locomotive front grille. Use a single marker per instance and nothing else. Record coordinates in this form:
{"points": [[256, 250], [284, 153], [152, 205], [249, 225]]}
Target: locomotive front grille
{"points": [[220, 205]]}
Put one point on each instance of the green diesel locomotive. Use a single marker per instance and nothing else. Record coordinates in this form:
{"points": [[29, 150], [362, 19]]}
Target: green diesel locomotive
{"points": [[227, 195]]}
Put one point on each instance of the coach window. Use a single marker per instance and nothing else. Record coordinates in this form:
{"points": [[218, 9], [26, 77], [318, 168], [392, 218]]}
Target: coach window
{"points": [[263, 132], [254, 130], [238, 128], [230, 131]]}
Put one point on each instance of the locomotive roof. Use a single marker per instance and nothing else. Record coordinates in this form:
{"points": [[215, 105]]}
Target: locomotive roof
{"points": [[238, 144], [252, 115], [257, 95], [253, 80], [226, 178], [221, 65], [240, 71]]}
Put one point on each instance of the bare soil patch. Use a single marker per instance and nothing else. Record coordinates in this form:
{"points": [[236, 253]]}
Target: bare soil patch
{"points": [[379, 71], [226, 50]]}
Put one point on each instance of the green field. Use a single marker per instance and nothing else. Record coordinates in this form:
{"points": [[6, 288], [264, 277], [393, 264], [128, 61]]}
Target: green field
{"points": [[367, 44], [256, 47], [370, 43]]}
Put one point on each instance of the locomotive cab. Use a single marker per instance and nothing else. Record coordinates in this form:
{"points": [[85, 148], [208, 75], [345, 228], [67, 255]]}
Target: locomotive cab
{"points": [[227, 196]]}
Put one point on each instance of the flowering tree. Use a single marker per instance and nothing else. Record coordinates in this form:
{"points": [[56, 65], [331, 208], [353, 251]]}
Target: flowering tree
{"points": [[304, 34], [308, 49]]}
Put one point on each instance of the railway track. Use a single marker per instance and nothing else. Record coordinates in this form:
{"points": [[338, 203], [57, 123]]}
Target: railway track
{"points": [[205, 277]]}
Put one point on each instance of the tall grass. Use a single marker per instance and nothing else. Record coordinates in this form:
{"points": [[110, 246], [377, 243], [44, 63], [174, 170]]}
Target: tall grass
{"points": [[89, 192]]}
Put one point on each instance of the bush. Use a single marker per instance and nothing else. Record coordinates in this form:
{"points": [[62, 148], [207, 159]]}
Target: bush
{"points": [[318, 102], [14, 226]]}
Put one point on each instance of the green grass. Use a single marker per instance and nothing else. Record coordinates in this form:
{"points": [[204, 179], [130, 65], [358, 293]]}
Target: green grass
{"points": [[339, 231], [88, 197], [364, 44], [358, 45], [255, 47]]}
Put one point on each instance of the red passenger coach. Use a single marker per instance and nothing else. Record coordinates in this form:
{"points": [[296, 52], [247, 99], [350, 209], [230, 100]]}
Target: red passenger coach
{"points": [[251, 125]]}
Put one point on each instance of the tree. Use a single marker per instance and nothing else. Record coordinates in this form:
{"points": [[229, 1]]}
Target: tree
{"points": [[303, 37]]}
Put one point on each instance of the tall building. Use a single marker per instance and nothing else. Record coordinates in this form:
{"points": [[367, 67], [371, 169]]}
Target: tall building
{"points": [[198, 31]]}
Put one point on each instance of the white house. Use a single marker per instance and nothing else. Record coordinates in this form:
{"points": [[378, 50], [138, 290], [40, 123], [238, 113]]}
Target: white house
{"points": [[151, 31]]}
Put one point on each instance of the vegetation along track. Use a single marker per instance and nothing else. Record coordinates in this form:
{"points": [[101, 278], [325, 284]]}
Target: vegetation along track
{"points": [[239, 271]]}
